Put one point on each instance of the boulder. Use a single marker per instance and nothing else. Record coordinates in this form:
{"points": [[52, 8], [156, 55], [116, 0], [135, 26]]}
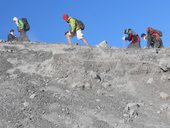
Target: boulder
{"points": [[164, 95]]}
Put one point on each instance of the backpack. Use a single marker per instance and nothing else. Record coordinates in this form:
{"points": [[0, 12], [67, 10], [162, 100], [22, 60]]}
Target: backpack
{"points": [[154, 32], [80, 24], [135, 38], [159, 33], [26, 24]]}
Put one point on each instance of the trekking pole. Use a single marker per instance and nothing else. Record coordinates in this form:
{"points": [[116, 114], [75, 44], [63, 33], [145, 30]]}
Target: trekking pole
{"points": [[124, 42]]}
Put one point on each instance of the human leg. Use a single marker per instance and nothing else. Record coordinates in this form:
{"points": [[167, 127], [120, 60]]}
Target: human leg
{"points": [[157, 44], [23, 36], [80, 36], [85, 42], [68, 36]]}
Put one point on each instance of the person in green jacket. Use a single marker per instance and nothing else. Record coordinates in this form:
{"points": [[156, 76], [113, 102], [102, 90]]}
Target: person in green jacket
{"points": [[20, 26], [74, 30]]}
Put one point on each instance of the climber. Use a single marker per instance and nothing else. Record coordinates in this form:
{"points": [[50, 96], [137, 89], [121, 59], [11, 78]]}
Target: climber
{"points": [[23, 27], [11, 36], [76, 29], [133, 37], [153, 38]]}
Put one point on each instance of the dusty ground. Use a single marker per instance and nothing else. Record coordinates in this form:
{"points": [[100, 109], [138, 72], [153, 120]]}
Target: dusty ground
{"points": [[51, 86]]}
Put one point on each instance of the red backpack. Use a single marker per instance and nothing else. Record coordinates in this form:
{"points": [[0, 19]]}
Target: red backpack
{"points": [[154, 32], [135, 38]]}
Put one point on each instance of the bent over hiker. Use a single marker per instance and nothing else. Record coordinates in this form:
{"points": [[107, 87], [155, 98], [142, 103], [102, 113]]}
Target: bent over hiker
{"points": [[22, 28], [133, 37], [76, 28], [153, 38], [11, 36]]}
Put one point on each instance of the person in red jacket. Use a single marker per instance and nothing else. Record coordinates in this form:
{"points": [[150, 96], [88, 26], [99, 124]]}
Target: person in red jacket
{"points": [[133, 37], [153, 38]]}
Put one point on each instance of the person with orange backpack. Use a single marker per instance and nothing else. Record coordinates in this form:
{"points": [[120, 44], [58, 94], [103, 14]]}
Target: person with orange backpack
{"points": [[133, 37], [76, 28], [153, 38]]}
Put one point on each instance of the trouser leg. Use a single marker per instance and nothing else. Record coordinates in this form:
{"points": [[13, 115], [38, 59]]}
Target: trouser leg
{"points": [[157, 44], [134, 45], [23, 36]]}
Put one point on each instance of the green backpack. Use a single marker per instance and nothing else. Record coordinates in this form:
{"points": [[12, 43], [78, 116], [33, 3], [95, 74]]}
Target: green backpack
{"points": [[80, 24]]}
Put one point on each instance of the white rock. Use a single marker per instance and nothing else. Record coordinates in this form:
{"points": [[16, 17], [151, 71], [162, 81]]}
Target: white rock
{"points": [[103, 44], [164, 107], [150, 81], [75, 85], [106, 84], [158, 112], [125, 115], [32, 96], [132, 106], [98, 100], [67, 91], [164, 95], [163, 77], [87, 85], [93, 74], [122, 121], [26, 104], [81, 85]]}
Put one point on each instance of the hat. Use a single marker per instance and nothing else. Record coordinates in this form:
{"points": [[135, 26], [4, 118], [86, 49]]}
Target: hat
{"points": [[12, 30], [126, 31], [15, 19], [65, 17]]}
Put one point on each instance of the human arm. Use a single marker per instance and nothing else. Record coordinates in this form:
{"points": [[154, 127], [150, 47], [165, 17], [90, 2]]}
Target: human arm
{"points": [[72, 26], [129, 38], [20, 25]]}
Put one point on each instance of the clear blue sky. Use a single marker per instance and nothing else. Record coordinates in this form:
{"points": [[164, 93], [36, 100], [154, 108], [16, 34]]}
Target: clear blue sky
{"points": [[104, 19]]}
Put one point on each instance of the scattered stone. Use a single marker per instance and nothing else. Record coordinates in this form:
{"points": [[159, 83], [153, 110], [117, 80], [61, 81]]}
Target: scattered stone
{"points": [[98, 100], [164, 96], [82, 86], [151, 104], [95, 75], [98, 107], [157, 51], [67, 91], [163, 77], [26, 104], [74, 85], [55, 95], [103, 44], [101, 92], [158, 112], [32, 96], [163, 66], [106, 85], [165, 107], [131, 110], [150, 81], [122, 121], [87, 85], [126, 115]]}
